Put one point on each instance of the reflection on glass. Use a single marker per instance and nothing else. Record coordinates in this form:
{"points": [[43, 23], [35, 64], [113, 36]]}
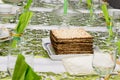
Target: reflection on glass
{"points": [[116, 21], [116, 26], [104, 60]]}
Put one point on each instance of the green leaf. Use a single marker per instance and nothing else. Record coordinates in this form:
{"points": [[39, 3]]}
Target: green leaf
{"points": [[23, 71], [20, 68], [91, 11], [27, 6], [26, 16], [110, 31], [108, 20], [65, 6], [90, 7], [23, 21], [105, 12], [31, 75], [80, 1], [118, 46], [89, 2]]}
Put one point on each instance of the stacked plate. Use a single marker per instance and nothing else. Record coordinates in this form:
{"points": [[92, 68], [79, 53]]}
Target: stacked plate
{"points": [[4, 34]]}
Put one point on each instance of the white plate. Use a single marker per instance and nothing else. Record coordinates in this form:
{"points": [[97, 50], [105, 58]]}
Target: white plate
{"points": [[47, 46], [4, 33]]}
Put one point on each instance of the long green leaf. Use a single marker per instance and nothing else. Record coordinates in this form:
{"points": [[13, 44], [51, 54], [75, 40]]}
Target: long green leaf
{"points": [[27, 6], [89, 2], [105, 12], [20, 68], [118, 46], [24, 24], [31, 75], [23, 71], [65, 6], [80, 1], [21, 19], [90, 7]]}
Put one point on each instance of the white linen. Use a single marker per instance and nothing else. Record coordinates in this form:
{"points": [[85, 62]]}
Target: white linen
{"points": [[81, 65], [73, 65], [40, 65], [48, 65]]}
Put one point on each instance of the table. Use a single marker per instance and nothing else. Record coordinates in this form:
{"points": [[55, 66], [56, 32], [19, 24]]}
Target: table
{"points": [[44, 66]]}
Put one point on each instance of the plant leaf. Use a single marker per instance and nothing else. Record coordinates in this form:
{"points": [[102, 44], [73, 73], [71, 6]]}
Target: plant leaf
{"points": [[105, 12], [20, 68], [65, 6], [31, 75], [27, 16], [89, 2], [27, 6], [90, 7], [23, 71], [118, 46]]}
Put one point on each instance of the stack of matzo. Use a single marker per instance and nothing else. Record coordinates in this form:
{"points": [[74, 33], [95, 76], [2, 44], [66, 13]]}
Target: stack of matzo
{"points": [[71, 41]]}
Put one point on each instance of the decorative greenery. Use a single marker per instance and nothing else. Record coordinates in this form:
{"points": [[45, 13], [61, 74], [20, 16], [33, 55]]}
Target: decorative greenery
{"points": [[65, 6], [105, 12], [118, 44], [22, 24], [80, 1], [90, 7], [23, 71], [27, 6], [108, 20], [39, 51], [109, 26]]}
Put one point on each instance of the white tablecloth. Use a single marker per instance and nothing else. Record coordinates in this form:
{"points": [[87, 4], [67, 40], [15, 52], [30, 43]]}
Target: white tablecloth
{"points": [[40, 65]]}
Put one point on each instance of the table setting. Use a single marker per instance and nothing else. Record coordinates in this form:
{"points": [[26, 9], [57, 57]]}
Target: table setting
{"points": [[47, 62], [43, 64], [43, 45]]}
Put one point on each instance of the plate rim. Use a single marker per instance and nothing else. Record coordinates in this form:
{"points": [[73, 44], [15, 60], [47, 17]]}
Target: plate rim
{"points": [[54, 56], [8, 38], [5, 33]]}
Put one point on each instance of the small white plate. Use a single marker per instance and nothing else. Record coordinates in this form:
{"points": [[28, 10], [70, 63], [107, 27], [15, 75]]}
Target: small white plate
{"points": [[48, 47], [4, 34]]}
